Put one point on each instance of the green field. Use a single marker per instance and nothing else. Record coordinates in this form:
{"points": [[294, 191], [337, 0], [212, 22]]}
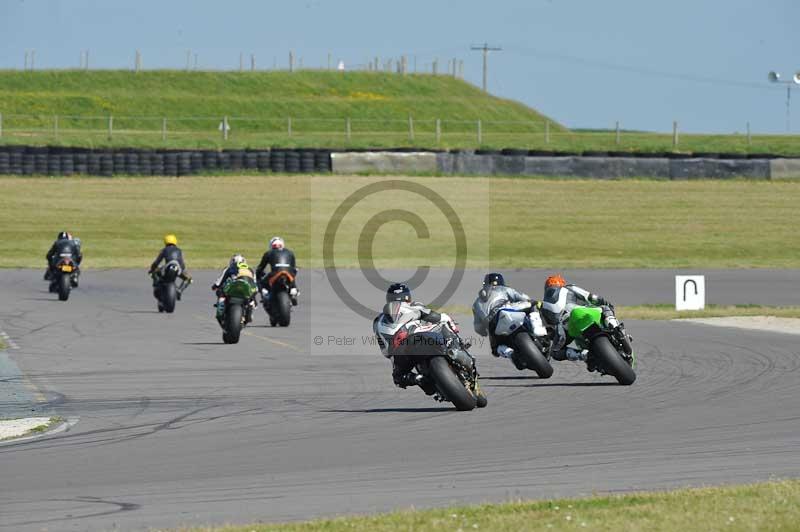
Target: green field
{"points": [[510, 223], [73, 108], [765, 506]]}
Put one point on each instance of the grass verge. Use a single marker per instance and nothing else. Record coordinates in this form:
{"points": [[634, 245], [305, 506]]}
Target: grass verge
{"points": [[764, 506], [514, 223]]}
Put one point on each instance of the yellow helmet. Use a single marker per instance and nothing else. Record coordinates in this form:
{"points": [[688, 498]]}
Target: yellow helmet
{"points": [[170, 239]]}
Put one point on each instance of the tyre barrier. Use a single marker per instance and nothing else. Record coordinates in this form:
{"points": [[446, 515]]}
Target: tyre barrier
{"points": [[37, 160]]}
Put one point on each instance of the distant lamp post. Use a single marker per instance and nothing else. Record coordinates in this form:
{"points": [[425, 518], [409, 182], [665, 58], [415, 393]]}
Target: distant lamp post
{"points": [[775, 77]]}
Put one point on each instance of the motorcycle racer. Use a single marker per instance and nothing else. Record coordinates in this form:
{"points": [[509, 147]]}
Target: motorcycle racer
{"points": [[492, 296], [559, 300], [403, 373]]}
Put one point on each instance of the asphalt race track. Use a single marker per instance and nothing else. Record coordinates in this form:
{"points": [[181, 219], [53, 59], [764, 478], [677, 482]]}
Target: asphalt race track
{"points": [[174, 427]]}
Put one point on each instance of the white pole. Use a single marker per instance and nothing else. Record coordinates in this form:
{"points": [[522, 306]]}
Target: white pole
{"points": [[438, 130], [225, 127], [110, 126], [749, 138], [164, 129], [410, 129], [616, 140], [547, 132], [347, 129], [674, 134], [480, 133]]}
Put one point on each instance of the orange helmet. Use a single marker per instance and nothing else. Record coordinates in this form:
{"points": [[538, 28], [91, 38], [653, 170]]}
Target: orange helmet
{"points": [[555, 280]]}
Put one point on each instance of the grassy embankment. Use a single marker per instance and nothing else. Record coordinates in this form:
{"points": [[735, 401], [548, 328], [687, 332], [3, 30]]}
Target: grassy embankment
{"points": [[765, 506], [259, 105], [510, 223]]}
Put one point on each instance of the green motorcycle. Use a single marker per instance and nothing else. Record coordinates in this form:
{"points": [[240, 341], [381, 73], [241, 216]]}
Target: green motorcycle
{"points": [[236, 310], [598, 330]]}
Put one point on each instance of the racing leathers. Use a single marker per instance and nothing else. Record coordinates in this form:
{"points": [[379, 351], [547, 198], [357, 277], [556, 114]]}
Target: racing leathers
{"points": [[403, 365], [557, 305], [170, 253], [64, 248], [278, 260], [491, 298]]}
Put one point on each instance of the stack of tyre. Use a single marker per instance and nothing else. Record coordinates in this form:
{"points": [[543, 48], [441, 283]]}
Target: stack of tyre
{"points": [[38, 160]]}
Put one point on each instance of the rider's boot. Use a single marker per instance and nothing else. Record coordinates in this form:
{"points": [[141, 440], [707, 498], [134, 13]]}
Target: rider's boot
{"points": [[509, 353], [293, 293], [407, 379], [504, 351], [576, 355]]}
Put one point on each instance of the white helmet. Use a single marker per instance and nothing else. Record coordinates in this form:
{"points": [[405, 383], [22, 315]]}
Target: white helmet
{"points": [[236, 259], [276, 242]]}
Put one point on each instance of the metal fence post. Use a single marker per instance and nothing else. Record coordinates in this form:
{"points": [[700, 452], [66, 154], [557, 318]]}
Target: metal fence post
{"points": [[480, 133], [438, 130], [410, 129], [291, 61], [547, 132], [164, 129], [110, 126], [347, 129], [616, 139], [674, 134], [289, 126], [225, 127]]}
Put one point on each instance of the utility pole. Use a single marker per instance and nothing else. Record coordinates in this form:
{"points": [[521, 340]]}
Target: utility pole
{"points": [[485, 49]]}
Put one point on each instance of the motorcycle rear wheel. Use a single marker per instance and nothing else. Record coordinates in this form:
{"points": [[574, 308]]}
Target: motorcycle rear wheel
{"points": [[450, 385], [168, 297], [232, 324], [63, 287], [283, 305], [532, 357]]}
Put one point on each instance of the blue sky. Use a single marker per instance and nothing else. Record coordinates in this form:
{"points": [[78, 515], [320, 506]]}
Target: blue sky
{"points": [[583, 62]]}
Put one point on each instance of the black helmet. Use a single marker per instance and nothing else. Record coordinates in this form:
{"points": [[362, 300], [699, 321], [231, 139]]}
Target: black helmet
{"points": [[63, 235], [494, 279], [398, 292]]}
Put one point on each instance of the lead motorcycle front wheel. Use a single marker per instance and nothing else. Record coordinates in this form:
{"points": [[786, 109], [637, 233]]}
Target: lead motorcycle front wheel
{"points": [[450, 385], [611, 362]]}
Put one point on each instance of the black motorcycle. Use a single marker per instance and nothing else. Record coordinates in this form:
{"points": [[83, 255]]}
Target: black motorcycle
{"points": [[165, 288], [440, 356], [63, 277], [278, 305]]}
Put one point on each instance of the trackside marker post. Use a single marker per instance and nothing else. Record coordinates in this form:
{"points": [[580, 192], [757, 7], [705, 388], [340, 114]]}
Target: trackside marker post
{"points": [[690, 292]]}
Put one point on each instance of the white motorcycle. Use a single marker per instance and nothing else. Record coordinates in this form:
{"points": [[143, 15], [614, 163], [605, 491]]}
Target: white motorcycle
{"points": [[520, 327]]}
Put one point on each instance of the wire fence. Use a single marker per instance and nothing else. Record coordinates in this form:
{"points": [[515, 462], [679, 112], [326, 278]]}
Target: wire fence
{"points": [[230, 131]]}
